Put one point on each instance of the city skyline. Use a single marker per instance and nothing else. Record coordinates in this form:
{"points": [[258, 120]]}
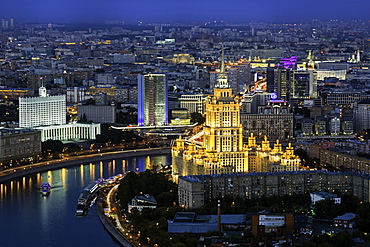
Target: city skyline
{"points": [[165, 10]]}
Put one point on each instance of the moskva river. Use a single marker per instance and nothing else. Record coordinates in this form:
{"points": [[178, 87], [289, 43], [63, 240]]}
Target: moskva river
{"points": [[29, 219]]}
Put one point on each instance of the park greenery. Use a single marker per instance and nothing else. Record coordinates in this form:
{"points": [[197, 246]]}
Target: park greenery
{"points": [[148, 182], [116, 136]]}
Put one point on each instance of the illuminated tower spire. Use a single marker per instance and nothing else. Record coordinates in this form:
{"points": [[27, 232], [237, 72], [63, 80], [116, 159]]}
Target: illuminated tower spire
{"points": [[222, 59], [222, 80]]}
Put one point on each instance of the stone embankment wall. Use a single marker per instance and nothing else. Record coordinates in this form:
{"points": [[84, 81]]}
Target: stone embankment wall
{"points": [[83, 160]]}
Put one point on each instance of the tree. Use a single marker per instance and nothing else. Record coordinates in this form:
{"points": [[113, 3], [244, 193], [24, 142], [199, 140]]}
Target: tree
{"points": [[327, 209], [197, 118], [52, 147]]}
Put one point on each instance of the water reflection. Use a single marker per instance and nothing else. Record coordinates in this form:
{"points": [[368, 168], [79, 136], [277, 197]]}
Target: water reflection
{"points": [[48, 220]]}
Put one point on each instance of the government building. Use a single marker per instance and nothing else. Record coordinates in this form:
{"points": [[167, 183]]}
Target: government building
{"points": [[47, 114], [43, 110]]}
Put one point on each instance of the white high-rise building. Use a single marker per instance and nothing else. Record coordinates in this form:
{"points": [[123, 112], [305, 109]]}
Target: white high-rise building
{"points": [[362, 116], [42, 111]]}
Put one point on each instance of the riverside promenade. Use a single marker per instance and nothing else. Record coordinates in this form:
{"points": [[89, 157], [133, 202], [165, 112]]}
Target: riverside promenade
{"points": [[20, 171]]}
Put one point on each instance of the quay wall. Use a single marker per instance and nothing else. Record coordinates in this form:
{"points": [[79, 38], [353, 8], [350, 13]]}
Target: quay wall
{"points": [[111, 229], [75, 160]]}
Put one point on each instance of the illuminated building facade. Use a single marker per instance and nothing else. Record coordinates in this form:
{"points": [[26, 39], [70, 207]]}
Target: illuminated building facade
{"points": [[42, 110], [69, 132], [303, 84], [18, 144], [194, 103], [219, 148], [152, 100], [48, 115], [14, 93]]}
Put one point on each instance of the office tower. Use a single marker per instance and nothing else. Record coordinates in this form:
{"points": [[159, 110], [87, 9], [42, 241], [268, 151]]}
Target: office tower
{"points": [[42, 110], [152, 100], [194, 103], [278, 82], [303, 84], [12, 22], [270, 82]]}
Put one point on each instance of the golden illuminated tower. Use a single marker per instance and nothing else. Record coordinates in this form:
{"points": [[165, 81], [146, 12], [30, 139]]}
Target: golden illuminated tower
{"points": [[222, 131], [219, 148]]}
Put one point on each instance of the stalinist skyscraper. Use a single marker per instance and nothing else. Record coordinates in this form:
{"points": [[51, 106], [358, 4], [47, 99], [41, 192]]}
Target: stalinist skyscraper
{"points": [[219, 148]]}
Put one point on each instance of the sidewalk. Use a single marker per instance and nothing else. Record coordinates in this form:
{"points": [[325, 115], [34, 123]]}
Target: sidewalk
{"points": [[117, 219]]}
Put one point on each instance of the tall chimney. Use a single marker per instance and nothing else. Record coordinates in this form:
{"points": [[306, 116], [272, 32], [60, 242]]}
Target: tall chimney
{"points": [[219, 216]]}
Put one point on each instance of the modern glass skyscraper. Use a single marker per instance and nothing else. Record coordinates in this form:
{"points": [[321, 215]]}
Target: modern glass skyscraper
{"points": [[303, 84], [152, 100]]}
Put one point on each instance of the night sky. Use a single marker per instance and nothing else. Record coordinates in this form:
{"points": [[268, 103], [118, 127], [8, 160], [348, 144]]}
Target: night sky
{"points": [[186, 10]]}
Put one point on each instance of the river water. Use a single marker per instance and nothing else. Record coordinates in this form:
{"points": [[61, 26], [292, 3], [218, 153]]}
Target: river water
{"points": [[29, 219]]}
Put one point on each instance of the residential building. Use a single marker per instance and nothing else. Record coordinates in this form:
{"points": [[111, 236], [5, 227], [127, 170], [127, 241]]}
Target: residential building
{"points": [[194, 191]]}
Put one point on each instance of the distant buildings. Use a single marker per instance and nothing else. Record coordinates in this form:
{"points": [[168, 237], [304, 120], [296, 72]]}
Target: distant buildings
{"points": [[152, 100]]}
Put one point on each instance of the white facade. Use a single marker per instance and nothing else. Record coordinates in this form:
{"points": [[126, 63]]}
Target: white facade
{"points": [[271, 221], [321, 195], [76, 94], [194, 103], [340, 74], [39, 111], [68, 132]]}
